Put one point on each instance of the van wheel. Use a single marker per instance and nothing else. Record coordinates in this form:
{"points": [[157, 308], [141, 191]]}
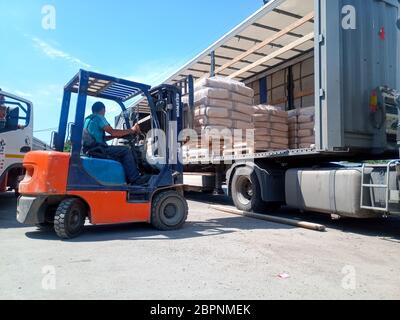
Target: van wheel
{"points": [[246, 191], [169, 211], [70, 218]]}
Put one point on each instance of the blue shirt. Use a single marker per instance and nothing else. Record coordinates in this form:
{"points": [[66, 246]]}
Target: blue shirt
{"points": [[95, 125]]}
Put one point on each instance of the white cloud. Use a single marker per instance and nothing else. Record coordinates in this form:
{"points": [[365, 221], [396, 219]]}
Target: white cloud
{"points": [[19, 93], [154, 73], [23, 94], [4, 88], [55, 53]]}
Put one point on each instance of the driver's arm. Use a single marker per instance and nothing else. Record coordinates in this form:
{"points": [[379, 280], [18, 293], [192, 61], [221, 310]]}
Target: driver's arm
{"points": [[115, 133]]}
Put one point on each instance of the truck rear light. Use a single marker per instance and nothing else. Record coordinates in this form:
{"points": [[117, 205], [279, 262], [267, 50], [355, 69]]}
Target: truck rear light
{"points": [[382, 33], [373, 105]]}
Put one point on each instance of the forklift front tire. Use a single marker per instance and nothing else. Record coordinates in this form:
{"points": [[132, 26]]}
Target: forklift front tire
{"points": [[70, 218], [169, 211]]}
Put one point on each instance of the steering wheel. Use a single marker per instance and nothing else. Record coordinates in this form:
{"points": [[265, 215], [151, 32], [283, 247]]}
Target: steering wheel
{"points": [[130, 137], [141, 136], [135, 138]]}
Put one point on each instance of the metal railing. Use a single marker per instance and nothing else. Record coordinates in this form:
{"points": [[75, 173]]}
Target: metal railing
{"points": [[371, 186]]}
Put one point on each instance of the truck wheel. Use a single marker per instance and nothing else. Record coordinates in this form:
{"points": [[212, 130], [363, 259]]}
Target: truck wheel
{"points": [[70, 218], [169, 211], [246, 191]]}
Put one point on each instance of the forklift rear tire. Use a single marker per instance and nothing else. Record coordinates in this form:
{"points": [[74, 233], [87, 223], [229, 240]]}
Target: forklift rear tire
{"points": [[70, 218], [169, 211]]}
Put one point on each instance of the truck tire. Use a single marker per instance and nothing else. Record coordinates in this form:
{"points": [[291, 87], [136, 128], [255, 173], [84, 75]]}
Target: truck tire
{"points": [[169, 211], [246, 191], [70, 217]]}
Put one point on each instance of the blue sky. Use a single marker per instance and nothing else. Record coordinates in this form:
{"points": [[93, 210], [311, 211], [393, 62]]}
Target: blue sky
{"points": [[140, 40]]}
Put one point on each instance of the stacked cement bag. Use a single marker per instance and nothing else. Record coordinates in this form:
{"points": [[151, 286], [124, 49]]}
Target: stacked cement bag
{"points": [[204, 149], [195, 152], [222, 104], [271, 128], [293, 128], [302, 128]]}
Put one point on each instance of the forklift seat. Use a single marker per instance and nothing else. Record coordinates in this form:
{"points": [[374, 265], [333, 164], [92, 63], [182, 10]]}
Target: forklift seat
{"points": [[107, 172]]}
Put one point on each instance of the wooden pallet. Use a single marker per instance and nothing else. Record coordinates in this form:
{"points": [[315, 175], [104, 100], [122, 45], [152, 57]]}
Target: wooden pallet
{"points": [[238, 152], [269, 150]]}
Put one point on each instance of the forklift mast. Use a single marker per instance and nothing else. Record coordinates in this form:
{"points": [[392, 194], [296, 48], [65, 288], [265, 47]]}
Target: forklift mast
{"points": [[165, 107]]}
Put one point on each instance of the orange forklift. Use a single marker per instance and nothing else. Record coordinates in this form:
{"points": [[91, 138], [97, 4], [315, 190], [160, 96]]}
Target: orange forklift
{"points": [[62, 190]]}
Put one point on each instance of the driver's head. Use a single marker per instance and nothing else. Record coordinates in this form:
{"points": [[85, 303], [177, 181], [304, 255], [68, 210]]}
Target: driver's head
{"points": [[99, 108]]}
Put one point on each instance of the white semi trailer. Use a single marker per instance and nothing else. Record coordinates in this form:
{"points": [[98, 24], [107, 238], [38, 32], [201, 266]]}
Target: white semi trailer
{"points": [[341, 57]]}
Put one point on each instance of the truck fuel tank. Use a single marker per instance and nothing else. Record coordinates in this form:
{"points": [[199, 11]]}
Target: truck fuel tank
{"points": [[337, 191]]}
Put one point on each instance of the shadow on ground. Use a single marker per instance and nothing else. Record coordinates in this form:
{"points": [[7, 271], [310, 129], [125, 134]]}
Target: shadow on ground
{"points": [[388, 229], [143, 232], [8, 211]]}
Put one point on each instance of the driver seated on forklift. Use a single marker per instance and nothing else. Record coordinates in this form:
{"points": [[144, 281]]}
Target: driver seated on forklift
{"points": [[94, 143]]}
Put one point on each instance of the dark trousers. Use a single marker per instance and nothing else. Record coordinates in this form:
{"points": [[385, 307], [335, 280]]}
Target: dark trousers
{"points": [[126, 158]]}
